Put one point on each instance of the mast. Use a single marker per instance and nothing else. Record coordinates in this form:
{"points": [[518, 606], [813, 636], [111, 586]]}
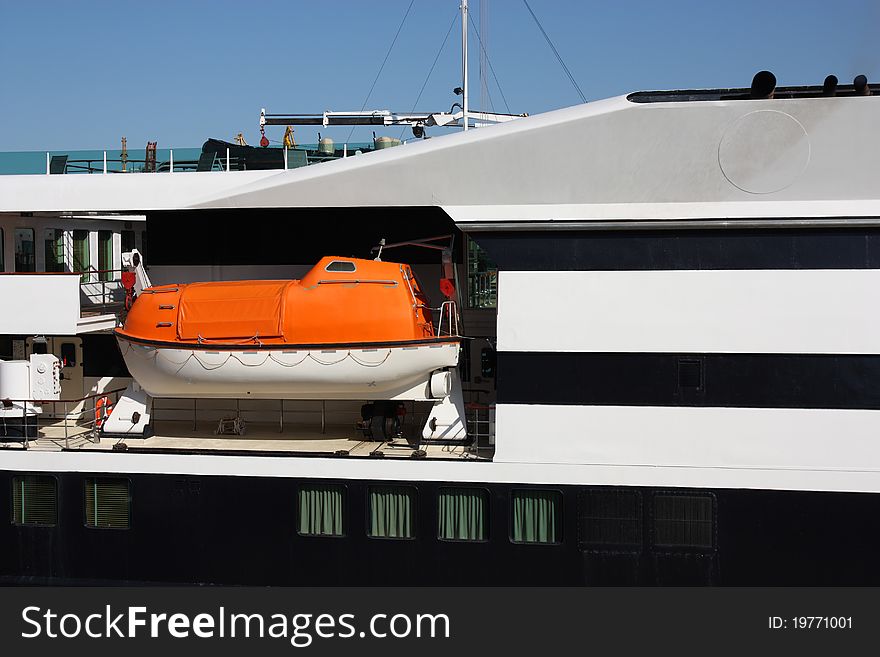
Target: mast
{"points": [[464, 63]]}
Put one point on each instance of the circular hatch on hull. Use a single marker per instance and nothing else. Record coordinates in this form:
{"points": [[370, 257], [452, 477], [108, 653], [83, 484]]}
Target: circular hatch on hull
{"points": [[764, 151]]}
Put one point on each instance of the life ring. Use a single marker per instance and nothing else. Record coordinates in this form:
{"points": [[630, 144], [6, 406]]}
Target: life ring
{"points": [[103, 408]]}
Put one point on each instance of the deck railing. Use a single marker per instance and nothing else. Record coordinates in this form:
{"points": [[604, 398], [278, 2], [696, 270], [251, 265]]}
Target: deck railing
{"points": [[85, 422]]}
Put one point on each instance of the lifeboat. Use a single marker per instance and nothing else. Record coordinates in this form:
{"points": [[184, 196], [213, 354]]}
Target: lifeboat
{"points": [[349, 329]]}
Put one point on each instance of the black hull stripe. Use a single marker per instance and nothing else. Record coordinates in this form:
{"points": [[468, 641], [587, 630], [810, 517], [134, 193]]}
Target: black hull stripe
{"points": [[681, 379], [800, 248], [211, 346]]}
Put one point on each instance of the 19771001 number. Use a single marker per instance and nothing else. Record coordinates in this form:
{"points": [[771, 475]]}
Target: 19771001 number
{"points": [[810, 622]]}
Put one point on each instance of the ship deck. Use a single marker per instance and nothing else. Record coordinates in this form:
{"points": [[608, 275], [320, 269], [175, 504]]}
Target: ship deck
{"points": [[176, 436]]}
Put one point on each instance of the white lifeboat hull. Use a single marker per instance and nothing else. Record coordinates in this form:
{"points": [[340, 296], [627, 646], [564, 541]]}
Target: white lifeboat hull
{"points": [[355, 372]]}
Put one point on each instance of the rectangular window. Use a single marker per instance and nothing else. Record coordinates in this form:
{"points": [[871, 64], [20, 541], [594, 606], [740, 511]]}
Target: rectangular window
{"points": [[105, 255], [611, 519], [34, 501], [536, 516], [321, 510], [24, 250], [81, 260], [482, 278], [108, 503], [683, 521], [127, 239], [463, 514], [392, 512], [55, 250]]}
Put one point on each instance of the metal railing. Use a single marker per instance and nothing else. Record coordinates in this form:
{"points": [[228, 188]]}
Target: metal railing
{"points": [[85, 422], [449, 311]]}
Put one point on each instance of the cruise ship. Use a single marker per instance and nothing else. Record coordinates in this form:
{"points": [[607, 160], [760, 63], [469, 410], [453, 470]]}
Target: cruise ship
{"points": [[666, 373]]}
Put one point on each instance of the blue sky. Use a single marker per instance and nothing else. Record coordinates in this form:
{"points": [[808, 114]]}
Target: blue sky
{"points": [[82, 74]]}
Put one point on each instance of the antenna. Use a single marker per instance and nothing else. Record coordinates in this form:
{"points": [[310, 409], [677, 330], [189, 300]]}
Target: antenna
{"points": [[464, 63]]}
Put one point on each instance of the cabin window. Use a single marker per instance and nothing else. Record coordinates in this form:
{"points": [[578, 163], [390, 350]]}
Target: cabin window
{"points": [[392, 512], [108, 503], [683, 521], [463, 514], [482, 278], [24, 250], [68, 354], [537, 516], [35, 501], [127, 239], [81, 262], [55, 250], [321, 510], [341, 266], [105, 255], [611, 518]]}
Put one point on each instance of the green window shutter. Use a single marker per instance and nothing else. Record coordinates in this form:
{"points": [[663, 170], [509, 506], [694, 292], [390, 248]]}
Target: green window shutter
{"points": [[34, 500], [81, 261], [105, 255], [392, 511], [537, 516], [462, 514], [55, 251], [108, 503], [321, 509], [683, 521]]}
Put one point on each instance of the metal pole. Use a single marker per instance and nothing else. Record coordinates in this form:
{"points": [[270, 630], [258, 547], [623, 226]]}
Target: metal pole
{"points": [[227, 159], [345, 150], [464, 63], [285, 158], [323, 416], [105, 161], [281, 423], [171, 160], [47, 163]]}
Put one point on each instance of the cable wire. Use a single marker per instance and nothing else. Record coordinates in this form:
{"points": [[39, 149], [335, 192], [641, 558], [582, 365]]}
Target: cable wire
{"points": [[556, 52], [491, 68], [387, 54], [428, 77]]}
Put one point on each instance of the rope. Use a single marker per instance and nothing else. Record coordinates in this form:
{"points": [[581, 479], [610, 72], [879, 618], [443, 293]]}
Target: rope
{"points": [[387, 54], [556, 52]]}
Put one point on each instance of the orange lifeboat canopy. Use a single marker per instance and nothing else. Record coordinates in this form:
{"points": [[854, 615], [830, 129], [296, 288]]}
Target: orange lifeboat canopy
{"points": [[339, 301]]}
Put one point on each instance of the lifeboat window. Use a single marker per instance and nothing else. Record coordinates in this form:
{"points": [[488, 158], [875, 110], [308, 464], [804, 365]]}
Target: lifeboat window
{"points": [[536, 516], [392, 512], [108, 503], [54, 244], [341, 266], [463, 514], [321, 510], [24, 250], [611, 519], [35, 501], [683, 521]]}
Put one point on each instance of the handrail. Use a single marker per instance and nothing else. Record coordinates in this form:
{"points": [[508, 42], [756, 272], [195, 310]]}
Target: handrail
{"points": [[91, 425]]}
